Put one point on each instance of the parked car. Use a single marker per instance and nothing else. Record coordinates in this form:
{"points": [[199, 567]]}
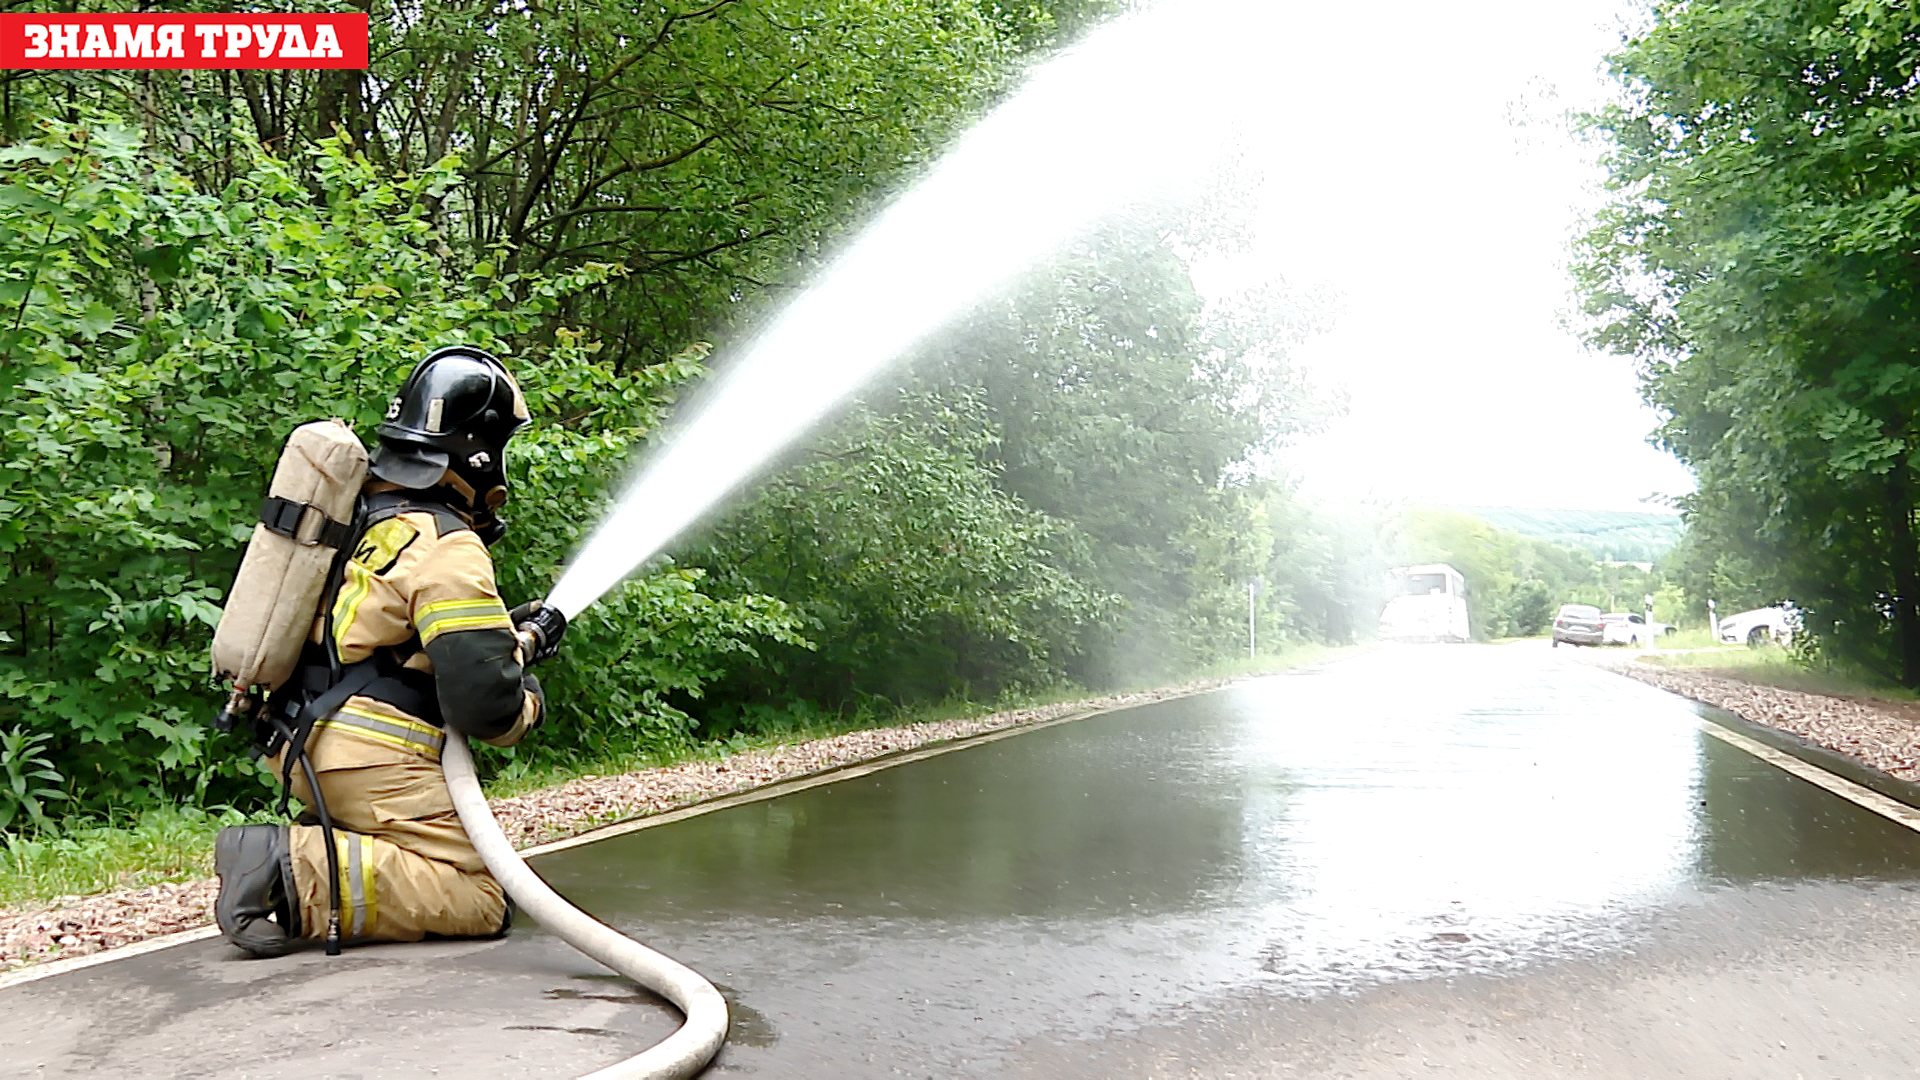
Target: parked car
{"points": [[1624, 628], [1761, 626], [1578, 624]]}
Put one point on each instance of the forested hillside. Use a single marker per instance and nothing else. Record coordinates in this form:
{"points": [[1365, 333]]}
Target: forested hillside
{"points": [[1607, 535], [1062, 487]]}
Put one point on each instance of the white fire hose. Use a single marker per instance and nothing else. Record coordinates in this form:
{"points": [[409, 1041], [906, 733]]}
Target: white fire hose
{"points": [[681, 1054]]}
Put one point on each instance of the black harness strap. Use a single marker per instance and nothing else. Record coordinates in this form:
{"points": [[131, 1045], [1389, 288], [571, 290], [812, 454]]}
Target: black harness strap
{"points": [[304, 523], [296, 731]]}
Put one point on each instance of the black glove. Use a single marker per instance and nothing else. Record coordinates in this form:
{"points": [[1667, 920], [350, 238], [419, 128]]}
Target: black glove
{"points": [[532, 686], [546, 624]]}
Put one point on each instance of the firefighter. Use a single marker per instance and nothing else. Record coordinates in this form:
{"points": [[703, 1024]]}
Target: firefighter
{"points": [[415, 628]]}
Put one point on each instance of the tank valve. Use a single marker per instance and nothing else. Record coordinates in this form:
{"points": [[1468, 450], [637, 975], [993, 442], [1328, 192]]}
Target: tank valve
{"points": [[240, 705]]}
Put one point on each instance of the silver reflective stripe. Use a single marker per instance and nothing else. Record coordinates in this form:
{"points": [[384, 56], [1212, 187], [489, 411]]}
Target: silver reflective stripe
{"points": [[431, 743], [355, 886]]}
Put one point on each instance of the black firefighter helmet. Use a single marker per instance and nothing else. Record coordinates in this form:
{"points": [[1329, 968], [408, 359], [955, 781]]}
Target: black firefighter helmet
{"points": [[455, 412]]}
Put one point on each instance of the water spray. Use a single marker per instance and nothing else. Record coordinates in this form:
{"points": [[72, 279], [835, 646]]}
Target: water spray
{"points": [[1137, 107]]}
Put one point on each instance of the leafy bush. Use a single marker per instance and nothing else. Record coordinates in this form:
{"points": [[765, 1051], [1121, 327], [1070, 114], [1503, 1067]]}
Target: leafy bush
{"points": [[28, 780], [162, 342], [915, 572]]}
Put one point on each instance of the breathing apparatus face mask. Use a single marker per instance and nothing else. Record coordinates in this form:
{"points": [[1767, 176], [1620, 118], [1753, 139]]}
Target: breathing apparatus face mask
{"points": [[479, 494], [486, 517]]}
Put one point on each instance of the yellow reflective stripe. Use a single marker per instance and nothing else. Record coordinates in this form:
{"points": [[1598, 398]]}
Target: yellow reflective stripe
{"points": [[356, 853], [450, 615], [347, 607], [363, 900], [470, 622], [358, 895], [433, 734], [457, 607], [343, 854], [372, 895], [403, 734], [377, 736]]}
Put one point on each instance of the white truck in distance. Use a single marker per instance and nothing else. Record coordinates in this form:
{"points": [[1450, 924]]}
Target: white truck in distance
{"points": [[1431, 605]]}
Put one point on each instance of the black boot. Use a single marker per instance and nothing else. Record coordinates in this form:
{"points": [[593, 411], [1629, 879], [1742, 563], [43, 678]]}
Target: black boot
{"points": [[258, 908]]}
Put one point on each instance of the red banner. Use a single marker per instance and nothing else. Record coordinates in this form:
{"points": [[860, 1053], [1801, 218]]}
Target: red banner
{"points": [[245, 40]]}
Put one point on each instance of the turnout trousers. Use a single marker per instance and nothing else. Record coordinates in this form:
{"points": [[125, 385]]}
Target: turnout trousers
{"points": [[407, 868]]}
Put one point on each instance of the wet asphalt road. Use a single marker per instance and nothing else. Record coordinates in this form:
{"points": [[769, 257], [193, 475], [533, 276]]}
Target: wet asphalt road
{"points": [[1470, 861]]}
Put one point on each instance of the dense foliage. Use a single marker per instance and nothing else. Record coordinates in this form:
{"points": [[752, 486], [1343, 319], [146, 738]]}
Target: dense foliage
{"points": [[1069, 486], [1758, 260], [710, 148], [162, 342]]}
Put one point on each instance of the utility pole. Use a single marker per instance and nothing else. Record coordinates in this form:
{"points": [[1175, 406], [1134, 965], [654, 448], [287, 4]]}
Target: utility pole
{"points": [[1253, 593]]}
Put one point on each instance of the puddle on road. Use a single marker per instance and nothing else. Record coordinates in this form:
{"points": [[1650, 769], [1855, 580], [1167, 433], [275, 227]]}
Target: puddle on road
{"points": [[1413, 813]]}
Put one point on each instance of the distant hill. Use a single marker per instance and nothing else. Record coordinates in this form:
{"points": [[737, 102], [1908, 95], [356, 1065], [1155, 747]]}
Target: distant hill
{"points": [[1620, 536]]}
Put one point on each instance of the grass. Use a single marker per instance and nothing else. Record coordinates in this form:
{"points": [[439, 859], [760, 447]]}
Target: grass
{"points": [[176, 843], [1289, 658], [1697, 638], [1778, 667], [163, 845]]}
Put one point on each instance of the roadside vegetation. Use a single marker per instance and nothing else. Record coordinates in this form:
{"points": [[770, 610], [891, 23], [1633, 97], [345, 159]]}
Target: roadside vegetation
{"points": [[1782, 668], [1516, 583], [1757, 261], [168, 844]]}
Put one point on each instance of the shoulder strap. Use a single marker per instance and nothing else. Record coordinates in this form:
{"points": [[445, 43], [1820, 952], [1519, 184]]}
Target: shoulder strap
{"points": [[390, 504]]}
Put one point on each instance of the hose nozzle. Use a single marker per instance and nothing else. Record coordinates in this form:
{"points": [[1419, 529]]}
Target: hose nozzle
{"points": [[539, 627]]}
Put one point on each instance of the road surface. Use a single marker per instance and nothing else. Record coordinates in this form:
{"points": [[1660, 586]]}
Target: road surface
{"points": [[1425, 861]]}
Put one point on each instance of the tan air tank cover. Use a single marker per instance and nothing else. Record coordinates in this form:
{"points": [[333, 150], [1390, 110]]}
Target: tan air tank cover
{"points": [[276, 593]]}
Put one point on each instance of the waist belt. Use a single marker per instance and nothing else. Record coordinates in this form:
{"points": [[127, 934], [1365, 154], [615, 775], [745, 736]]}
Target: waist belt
{"points": [[412, 692], [409, 691], [405, 734]]}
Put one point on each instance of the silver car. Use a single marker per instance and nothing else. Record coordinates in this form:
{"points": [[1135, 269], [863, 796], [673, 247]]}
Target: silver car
{"points": [[1578, 624]]}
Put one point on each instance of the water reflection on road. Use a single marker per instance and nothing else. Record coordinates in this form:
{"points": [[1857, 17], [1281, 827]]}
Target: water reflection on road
{"points": [[1413, 812]]}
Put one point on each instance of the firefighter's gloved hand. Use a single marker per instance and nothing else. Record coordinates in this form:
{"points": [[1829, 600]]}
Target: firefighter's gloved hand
{"points": [[532, 687], [545, 624]]}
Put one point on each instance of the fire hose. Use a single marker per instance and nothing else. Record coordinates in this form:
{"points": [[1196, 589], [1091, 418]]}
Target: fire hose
{"points": [[681, 1054]]}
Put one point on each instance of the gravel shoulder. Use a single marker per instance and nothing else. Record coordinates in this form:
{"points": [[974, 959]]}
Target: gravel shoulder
{"points": [[1883, 735], [81, 926]]}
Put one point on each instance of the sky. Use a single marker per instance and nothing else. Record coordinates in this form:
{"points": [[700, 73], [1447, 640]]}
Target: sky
{"points": [[1413, 161]]}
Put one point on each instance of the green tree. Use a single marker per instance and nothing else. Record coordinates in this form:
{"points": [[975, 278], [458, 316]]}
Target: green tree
{"points": [[712, 149], [1065, 484], [1758, 262], [1327, 575], [917, 575], [1124, 405]]}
